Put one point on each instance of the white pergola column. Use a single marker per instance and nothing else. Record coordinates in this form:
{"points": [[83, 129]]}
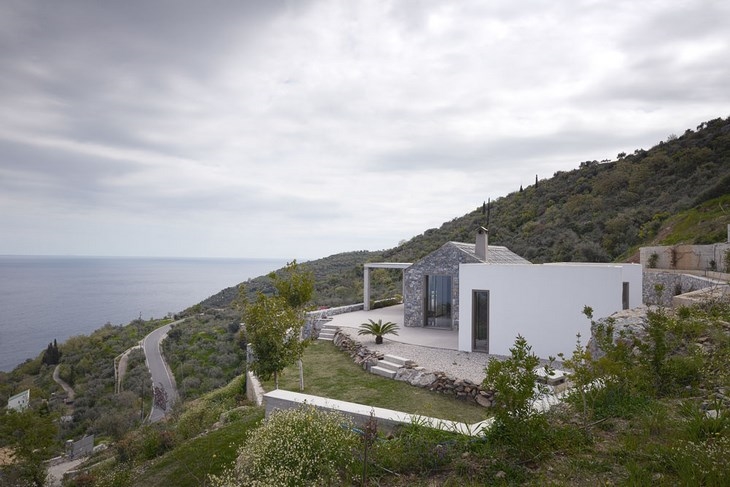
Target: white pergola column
{"points": [[366, 288], [366, 277]]}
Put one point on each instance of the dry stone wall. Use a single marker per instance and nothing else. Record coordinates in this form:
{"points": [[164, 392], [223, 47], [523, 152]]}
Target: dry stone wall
{"points": [[673, 284]]}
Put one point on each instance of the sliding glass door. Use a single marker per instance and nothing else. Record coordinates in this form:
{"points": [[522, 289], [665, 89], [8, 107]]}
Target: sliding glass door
{"points": [[438, 301]]}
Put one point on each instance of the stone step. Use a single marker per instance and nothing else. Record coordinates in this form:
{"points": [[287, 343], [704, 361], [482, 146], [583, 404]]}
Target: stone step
{"points": [[394, 359], [378, 370], [388, 365], [327, 333]]}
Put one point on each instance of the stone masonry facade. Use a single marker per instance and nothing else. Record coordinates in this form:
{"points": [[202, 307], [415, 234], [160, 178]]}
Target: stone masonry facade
{"points": [[442, 262]]}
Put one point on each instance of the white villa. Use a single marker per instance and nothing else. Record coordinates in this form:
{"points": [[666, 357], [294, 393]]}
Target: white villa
{"points": [[490, 295]]}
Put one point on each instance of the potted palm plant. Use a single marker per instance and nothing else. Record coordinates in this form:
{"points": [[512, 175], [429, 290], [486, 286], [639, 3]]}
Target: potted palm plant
{"points": [[378, 328]]}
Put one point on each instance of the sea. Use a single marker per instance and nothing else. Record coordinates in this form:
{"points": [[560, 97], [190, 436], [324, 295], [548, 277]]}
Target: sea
{"points": [[43, 298]]}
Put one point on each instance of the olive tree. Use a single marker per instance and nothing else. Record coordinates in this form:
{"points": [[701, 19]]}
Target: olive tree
{"points": [[295, 284], [273, 330]]}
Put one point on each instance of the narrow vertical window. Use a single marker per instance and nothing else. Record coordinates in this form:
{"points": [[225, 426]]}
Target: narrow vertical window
{"points": [[480, 321]]}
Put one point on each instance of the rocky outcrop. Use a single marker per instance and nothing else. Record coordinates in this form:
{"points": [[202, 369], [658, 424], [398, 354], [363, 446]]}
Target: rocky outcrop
{"points": [[628, 324]]}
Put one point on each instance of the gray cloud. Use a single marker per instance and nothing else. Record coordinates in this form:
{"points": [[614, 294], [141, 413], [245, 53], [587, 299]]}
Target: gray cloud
{"points": [[237, 128]]}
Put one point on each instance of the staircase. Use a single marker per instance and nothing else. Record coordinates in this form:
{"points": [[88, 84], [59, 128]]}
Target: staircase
{"points": [[388, 366], [327, 333]]}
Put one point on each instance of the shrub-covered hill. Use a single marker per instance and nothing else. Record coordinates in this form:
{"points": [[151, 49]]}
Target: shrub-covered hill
{"points": [[601, 211]]}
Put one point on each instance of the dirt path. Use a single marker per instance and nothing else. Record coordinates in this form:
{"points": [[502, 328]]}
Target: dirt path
{"points": [[55, 472], [122, 367], [69, 390]]}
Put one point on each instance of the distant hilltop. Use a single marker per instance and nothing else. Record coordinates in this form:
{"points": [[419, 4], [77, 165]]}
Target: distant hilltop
{"points": [[676, 192]]}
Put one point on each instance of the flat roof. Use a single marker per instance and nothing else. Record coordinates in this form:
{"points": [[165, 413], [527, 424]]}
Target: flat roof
{"points": [[389, 265]]}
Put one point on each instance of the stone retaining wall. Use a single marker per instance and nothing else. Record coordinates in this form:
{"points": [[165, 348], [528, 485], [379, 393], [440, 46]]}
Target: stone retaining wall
{"points": [[439, 382], [316, 319], [674, 284]]}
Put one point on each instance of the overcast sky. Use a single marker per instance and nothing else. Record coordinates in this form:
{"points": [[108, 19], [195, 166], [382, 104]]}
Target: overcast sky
{"points": [[305, 128]]}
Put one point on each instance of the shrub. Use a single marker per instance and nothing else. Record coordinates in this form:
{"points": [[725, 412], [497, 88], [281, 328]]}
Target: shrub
{"points": [[517, 425], [384, 303], [304, 446], [417, 448]]}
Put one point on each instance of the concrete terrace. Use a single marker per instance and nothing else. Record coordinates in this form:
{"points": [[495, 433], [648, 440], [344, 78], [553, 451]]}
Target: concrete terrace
{"points": [[434, 349], [419, 336]]}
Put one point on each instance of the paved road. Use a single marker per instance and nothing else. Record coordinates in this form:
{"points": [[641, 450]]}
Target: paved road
{"points": [[161, 374]]}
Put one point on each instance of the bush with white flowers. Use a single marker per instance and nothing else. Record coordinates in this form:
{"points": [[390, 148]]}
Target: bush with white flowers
{"points": [[304, 446]]}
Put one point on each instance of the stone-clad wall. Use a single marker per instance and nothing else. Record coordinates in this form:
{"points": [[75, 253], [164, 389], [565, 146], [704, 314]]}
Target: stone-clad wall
{"points": [[674, 284], [443, 262]]}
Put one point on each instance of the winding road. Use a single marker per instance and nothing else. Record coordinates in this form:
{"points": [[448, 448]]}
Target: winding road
{"points": [[161, 374]]}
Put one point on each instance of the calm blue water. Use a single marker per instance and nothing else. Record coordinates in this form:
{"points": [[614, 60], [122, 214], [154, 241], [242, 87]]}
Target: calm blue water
{"points": [[47, 298]]}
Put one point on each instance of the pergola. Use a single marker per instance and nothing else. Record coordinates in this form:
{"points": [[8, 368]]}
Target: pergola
{"points": [[377, 265]]}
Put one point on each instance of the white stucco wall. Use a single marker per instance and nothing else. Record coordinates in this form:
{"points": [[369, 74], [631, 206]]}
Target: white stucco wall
{"points": [[19, 402], [543, 303]]}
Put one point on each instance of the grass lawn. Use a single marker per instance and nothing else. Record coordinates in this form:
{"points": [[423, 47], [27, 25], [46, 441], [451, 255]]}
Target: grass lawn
{"points": [[189, 464], [331, 373]]}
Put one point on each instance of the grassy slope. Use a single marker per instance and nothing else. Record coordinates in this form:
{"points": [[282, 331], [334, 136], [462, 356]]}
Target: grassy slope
{"points": [[706, 223], [189, 464], [331, 373]]}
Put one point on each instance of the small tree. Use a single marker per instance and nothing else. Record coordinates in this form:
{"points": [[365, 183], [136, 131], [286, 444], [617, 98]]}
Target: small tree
{"points": [[296, 287], [515, 381], [31, 437], [517, 425], [273, 329]]}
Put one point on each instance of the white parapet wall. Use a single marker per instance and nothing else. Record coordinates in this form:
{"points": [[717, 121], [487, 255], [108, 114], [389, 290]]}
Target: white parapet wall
{"points": [[254, 391], [387, 419]]}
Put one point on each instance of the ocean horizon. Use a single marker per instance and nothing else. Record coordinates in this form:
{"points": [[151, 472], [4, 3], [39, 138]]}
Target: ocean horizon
{"points": [[43, 298]]}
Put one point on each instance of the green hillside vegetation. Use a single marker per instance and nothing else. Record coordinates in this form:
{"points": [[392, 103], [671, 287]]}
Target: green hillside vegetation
{"points": [[599, 212], [704, 224], [660, 419]]}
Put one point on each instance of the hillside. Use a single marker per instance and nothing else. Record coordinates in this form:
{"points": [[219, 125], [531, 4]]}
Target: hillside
{"points": [[599, 212]]}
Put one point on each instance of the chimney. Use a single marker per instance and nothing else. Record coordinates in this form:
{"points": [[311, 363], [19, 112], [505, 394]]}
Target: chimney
{"points": [[482, 243]]}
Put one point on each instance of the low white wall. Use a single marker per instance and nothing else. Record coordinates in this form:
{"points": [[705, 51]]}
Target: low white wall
{"points": [[387, 419], [254, 391], [543, 303]]}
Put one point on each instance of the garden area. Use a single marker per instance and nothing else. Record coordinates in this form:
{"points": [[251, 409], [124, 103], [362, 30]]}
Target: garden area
{"points": [[331, 373]]}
